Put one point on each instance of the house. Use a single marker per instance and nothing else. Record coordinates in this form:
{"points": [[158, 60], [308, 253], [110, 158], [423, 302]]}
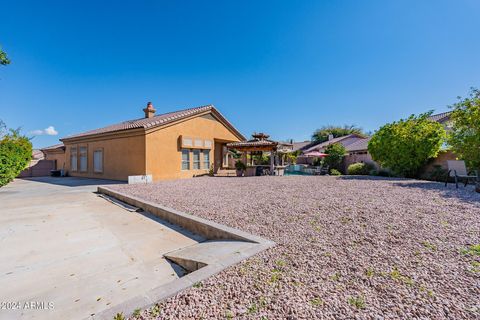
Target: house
{"points": [[178, 144], [346, 141]]}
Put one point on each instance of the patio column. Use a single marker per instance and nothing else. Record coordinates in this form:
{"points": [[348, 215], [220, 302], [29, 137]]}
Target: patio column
{"points": [[272, 162]]}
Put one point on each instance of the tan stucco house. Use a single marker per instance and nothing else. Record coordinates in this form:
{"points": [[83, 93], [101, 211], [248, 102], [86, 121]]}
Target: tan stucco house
{"points": [[179, 144]]}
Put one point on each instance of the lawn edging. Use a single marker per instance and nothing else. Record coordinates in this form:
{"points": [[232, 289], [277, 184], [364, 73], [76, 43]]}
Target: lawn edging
{"points": [[206, 228]]}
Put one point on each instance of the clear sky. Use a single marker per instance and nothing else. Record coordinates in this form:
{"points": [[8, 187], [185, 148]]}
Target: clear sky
{"points": [[282, 67]]}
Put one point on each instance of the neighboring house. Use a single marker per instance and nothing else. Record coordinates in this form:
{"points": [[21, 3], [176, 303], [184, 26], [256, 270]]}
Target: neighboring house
{"points": [[172, 145], [346, 141]]}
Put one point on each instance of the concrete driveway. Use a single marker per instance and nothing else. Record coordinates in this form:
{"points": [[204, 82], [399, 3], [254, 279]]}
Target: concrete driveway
{"points": [[66, 253]]}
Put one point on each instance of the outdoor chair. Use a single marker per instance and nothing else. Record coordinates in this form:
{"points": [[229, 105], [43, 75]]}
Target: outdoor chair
{"points": [[458, 170]]}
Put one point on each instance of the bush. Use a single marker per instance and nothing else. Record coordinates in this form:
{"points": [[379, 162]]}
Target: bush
{"points": [[406, 146], [240, 166], [383, 173], [335, 153], [335, 172], [436, 174], [15, 154], [360, 168]]}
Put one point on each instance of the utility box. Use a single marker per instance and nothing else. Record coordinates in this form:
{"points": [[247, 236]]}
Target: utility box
{"points": [[140, 179]]}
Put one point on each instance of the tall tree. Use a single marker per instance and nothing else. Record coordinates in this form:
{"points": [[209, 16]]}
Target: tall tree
{"points": [[464, 137], [321, 135], [3, 58], [406, 145]]}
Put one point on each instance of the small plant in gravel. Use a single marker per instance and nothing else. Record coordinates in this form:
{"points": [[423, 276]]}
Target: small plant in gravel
{"points": [[280, 263], [357, 302], [275, 276], [475, 266], [396, 275], [473, 250], [369, 272], [336, 276], [228, 314], [252, 308], [197, 285], [155, 311], [429, 245], [316, 302], [137, 312], [119, 316], [429, 292]]}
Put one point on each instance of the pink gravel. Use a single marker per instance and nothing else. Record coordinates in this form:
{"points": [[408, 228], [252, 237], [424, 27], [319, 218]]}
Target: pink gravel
{"points": [[347, 247]]}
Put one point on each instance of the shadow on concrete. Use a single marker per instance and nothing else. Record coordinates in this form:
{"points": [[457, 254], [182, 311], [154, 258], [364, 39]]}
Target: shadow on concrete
{"points": [[467, 193], [73, 181]]}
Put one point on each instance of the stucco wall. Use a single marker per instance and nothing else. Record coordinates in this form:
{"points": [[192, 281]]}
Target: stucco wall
{"points": [[58, 157], [164, 156], [441, 160], [123, 156]]}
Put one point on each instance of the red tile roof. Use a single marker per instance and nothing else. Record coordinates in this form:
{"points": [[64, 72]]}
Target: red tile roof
{"points": [[440, 117], [156, 121], [59, 146]]}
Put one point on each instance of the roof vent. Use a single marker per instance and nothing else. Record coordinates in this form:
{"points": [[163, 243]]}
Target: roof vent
{"points": [[149, 110]]}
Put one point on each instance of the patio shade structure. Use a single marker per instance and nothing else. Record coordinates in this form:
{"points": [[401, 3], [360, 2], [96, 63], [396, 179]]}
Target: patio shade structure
{"points": [[259, 144]]}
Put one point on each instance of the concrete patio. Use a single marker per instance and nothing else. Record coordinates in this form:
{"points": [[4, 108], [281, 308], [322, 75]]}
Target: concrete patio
{"points": [[74, 254]]}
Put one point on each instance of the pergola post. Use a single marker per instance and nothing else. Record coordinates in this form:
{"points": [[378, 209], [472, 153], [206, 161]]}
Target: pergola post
{"points": [[272, 162]]}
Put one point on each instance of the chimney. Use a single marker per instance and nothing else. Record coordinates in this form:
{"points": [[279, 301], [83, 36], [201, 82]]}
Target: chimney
{"points": [[330, 137], [149, 110]]}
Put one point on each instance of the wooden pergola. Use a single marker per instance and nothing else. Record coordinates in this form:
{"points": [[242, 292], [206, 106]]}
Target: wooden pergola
{"points": [[259, 144]]}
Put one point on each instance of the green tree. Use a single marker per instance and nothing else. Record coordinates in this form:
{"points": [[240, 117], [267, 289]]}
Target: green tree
{"points": [[3, 58], [336, 152], [15, 153], [321, 135], [406, 145], [464, 137]]}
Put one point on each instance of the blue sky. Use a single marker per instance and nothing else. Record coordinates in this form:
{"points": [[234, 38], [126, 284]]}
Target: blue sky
{"points": [[282, 67]]}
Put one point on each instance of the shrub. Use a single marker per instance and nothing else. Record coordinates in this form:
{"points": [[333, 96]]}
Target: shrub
{"points": [[465, 135], [240, 166], [15, 154], [436, 174], [383, 173], [335, 172], [335, 153], [360, 168], [405, 146]]}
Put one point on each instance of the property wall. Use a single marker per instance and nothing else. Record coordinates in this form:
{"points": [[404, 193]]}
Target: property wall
{"points": [[123, 155], [164, 156], [359, 157], [37, 168], [441, 160]]}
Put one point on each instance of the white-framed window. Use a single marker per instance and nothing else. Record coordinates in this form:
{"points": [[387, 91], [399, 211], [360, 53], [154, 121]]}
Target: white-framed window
{"points": [[206, 159], [185, 159], [73, 159], [196, 159], [83, 159], [98, 161]]}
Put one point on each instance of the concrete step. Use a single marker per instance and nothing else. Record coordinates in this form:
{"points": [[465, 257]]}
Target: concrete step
{"points": [[201, 254], [226, 173]]}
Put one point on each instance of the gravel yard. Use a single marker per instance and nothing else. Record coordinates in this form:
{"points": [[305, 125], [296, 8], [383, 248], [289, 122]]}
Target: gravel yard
{"points": [[347, 247]]}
